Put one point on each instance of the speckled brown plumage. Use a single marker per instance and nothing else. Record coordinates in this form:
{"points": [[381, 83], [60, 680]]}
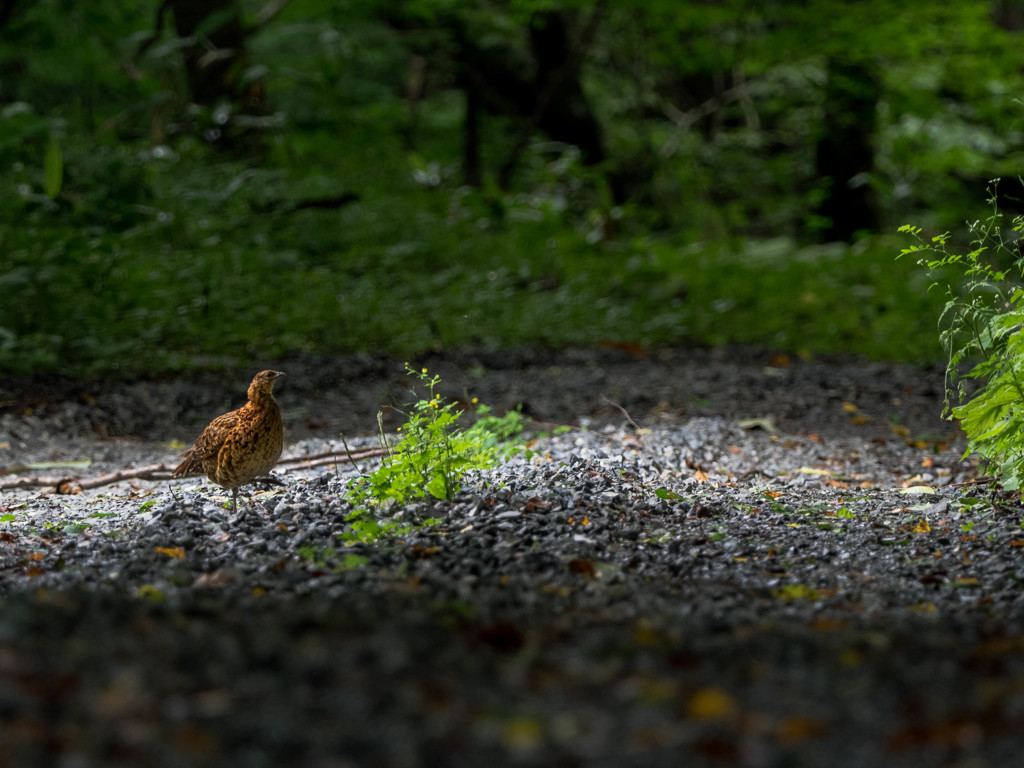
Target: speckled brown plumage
{"points": [[241, 445]]}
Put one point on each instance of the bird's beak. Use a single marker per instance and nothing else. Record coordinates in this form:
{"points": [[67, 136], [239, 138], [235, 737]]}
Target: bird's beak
{"points": [[279, 374]]}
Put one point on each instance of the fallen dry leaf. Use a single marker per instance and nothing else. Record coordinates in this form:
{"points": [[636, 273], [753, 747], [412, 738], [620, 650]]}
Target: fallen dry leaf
{"points": [[581, 567], [213, 580], [800, 728], [711, 704]]}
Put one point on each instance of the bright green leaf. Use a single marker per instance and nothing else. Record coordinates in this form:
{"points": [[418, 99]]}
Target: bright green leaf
{"points": [[53, 169]]}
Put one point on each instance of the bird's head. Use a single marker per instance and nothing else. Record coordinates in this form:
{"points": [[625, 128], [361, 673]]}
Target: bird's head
{"points": [[263, 383]]}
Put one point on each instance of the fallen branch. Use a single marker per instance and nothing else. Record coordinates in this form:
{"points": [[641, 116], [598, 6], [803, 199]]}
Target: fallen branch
{"points": [[159, 472], [74, 484], [336, 459], [365, 453]]}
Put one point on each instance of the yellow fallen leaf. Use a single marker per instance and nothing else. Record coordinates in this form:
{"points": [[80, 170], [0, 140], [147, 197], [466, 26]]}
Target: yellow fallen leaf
{"points": [[175, 552], [150, 592], [966, 581], [644, 633], [711, 704], [851, 658], [797, 728], [700, 476], [762, 423], [522, 733], [813, 471], [849, 407], [921, 527], [918, 489], [796, 592]]}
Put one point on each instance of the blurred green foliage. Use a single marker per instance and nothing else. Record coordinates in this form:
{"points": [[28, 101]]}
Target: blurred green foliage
{"points": [[982, 335], [131, 240]]}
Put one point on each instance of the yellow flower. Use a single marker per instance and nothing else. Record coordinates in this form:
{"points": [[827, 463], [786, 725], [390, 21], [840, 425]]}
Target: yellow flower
{"points": [[424, 370], [475, 400]]}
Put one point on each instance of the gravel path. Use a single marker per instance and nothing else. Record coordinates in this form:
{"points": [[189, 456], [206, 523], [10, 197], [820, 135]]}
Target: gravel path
{"points": [[786, 566]]}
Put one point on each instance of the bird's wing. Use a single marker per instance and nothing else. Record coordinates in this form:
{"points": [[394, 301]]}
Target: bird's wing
{"points": [[212, 440], [207, 445]]}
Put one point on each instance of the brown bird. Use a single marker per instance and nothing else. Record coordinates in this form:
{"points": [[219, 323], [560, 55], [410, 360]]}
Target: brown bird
{"points": [[241, 445]]}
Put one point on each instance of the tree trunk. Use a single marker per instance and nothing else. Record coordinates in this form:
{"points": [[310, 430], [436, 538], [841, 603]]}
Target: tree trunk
{"points": [[567, 115], [845, 156], [471, 169], [214, 62]]}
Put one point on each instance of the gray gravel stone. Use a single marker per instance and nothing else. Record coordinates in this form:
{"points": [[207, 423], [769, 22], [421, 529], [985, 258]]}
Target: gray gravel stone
{"points": [[694, 593]]}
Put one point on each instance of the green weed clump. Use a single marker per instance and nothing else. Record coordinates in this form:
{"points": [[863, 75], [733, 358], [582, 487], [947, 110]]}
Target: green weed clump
{"points": [[982, 330], [431, 456]]}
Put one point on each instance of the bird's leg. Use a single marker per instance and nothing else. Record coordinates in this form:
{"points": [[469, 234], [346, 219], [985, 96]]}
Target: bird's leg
{"points": [[234, 495]]}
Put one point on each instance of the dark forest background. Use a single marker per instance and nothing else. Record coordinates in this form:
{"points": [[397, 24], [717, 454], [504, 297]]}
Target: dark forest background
{"points": [[195, 183]]}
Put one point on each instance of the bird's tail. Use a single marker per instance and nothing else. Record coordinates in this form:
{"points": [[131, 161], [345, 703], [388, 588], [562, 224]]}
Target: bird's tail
{"points": [[190, 466]]}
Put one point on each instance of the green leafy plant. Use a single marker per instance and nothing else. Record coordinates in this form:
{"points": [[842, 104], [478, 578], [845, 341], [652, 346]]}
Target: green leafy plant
{"points": [[365, 528], [982, 330], [433, 452], [666, 495], [329, 557]]}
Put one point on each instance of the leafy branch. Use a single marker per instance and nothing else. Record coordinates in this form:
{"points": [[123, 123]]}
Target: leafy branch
{"points": [[982, 330]]}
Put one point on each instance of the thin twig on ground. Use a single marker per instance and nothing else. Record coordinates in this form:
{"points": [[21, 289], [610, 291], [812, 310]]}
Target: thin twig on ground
{"points": [[74, 484], [625, 413]]}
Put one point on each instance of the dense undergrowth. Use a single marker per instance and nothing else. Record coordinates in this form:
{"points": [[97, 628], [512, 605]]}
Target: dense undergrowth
{"points": [[189, 276], [128, 244], [982, 332]]}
